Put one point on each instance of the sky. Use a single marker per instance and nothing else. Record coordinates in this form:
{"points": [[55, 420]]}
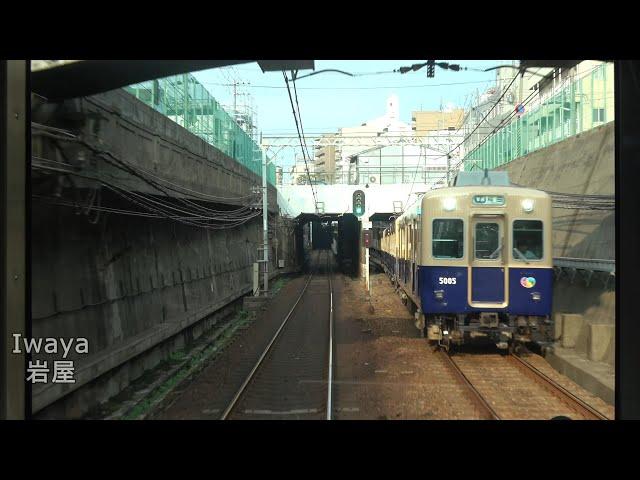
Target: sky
{"points": [[329, 100]]}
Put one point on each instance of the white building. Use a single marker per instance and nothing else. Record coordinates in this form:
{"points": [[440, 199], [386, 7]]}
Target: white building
{"points": [[388, 124]]}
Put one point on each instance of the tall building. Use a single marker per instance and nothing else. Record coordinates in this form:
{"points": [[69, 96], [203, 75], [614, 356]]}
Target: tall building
{"points": [[299, 172], [338, 164], [347, 157], [325, 161], [424, 122]]}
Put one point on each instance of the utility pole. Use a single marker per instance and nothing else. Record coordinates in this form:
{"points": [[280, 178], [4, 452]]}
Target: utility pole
{"points": [[265, 224], [235, 111]]}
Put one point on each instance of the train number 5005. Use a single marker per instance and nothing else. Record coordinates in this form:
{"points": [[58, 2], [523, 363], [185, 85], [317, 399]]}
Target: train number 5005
{"points": [[447, 281]]}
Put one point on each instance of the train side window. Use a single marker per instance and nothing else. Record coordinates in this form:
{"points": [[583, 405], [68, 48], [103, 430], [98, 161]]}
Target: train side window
{"points": [[448, 238], [527, 240]]}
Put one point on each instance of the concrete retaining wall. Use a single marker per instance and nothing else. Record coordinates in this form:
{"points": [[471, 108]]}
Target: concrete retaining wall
{"points": [[583, 164], [135, 287]]}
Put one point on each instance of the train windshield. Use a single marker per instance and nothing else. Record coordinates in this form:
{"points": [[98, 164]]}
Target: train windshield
{"points": [[447, 238], [527, 240], [487, 241]]}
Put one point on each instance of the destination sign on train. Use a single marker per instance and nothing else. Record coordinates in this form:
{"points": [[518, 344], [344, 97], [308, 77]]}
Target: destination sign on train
{"points": [[488, 200]]}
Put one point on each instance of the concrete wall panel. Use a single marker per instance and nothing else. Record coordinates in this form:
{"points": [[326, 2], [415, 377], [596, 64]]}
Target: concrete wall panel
{"points": [[132, 284]]}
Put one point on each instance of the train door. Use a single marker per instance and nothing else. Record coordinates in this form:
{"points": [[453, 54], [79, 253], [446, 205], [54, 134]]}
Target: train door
{"points": [[488, 278]]}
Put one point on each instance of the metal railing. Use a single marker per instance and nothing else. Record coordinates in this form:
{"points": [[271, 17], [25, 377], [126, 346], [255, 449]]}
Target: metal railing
{"points": [[597, 265], [581, 105]]}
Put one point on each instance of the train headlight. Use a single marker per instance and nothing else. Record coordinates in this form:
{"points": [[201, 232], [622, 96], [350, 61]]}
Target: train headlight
{"points": [[449, 204], [527, 205]]}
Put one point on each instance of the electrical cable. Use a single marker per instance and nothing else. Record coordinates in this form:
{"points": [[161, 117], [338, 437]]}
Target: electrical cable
{"points": [[381, 87], [525, 102], [131, 170], [145, 202], [315, 201], [469, 135]]}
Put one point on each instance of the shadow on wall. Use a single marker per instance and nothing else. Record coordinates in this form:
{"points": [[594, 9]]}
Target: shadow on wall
{"points": [[587, 234]]}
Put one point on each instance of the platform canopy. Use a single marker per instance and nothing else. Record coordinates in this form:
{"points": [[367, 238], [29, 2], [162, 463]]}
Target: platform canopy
{"points": [[61, 79]]}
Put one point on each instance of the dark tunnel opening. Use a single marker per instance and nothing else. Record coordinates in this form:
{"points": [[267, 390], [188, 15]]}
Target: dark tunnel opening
{"points": [[337, 233]]}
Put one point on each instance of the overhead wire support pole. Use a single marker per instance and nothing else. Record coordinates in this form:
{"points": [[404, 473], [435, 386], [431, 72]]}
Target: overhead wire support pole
{"points": [[265, 224]]}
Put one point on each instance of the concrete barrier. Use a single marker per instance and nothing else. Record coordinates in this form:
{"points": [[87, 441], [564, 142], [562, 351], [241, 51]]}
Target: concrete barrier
{"points": [[571, 326], [557, 326], [601, 342]]}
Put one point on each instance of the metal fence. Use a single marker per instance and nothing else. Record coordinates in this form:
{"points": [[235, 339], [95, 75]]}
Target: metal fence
{"points": [[583, 104], [188, 103]]}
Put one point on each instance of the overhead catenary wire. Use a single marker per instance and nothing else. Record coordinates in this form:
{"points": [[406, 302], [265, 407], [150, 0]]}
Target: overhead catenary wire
{"points": [[504, 92], [304, 155], [468, 136], [532, 96], [379, 87]]}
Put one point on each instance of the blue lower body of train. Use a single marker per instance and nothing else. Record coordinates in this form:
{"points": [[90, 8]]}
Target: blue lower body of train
{"points": [[459, 304], [446, 290]]}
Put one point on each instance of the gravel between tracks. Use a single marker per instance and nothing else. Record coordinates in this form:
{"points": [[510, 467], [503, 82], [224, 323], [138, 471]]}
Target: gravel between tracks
{"points": [[385, 370]]}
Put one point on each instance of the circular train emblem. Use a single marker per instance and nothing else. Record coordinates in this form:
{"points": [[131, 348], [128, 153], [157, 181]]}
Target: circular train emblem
{"points": [[527, 282]]}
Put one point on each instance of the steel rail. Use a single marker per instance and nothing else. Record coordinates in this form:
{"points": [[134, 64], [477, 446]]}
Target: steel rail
{"points": [[480, 400], [246, 382], [330, 374], [572, 400]]}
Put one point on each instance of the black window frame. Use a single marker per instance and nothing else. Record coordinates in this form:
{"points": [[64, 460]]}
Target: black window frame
{"points": [[475, 240], [513, 239], [464, 238]]}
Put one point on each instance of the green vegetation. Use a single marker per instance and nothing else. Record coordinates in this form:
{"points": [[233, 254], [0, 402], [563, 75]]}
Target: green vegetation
{"points": [[277, 286], [191, 363]]}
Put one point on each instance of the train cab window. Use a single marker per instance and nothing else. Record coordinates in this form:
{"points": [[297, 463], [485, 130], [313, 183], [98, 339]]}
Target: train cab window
{"points": [[527, 240], [447, 238], [487, 241]]}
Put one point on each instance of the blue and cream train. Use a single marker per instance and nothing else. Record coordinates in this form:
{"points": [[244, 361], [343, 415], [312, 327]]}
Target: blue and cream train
{"points": [[476, 261]]}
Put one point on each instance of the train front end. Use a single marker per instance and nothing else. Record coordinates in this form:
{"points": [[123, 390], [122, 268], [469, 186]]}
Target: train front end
{"points": [[487, 269]]}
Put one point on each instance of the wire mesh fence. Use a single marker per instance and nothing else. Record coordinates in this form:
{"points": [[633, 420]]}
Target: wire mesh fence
{"points": [[187, 102], [583, 104]]}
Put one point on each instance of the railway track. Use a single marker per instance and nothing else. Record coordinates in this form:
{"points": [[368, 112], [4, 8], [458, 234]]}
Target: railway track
{"points": [[572, 401], [494, 402], [486, 411], [293, 376]]}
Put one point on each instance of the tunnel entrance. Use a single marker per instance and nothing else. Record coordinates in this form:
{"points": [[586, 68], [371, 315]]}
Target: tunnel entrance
{"points": [[348, 251], [339, 233]]}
